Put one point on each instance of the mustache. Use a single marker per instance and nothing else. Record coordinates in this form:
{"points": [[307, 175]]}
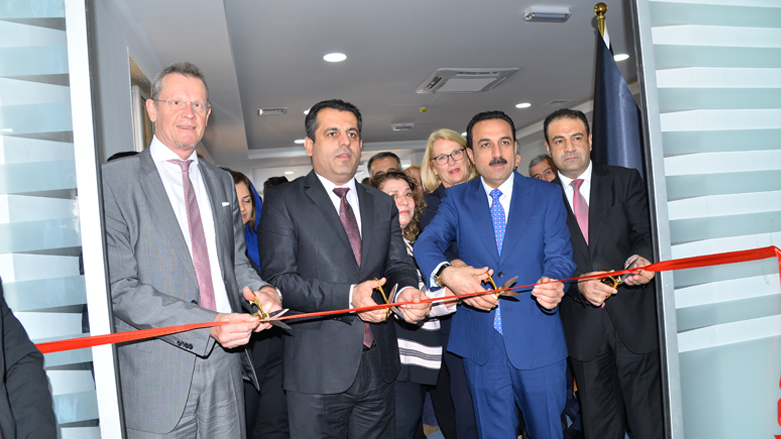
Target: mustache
{"points": [[498, 161]]}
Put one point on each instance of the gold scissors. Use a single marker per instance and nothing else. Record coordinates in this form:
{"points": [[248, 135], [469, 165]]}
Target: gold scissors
{"points": [[387, 299], [263, 315], [507, 294], [614, 281]]}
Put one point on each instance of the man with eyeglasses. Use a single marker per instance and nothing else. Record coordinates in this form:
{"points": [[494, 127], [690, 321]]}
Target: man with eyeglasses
{"points": [[176, 255], [507, 226]]}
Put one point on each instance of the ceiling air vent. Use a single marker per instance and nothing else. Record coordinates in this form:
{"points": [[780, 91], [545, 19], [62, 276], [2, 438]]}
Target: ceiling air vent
{"points": [[405, 126], [272, 111], [558, 103], [464, 80]]}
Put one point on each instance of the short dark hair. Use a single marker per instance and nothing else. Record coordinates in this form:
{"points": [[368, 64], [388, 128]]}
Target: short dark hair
{"points": [[487, 115], [383, 155], [185, 68], [537, 160], [310, 123], [564, 113], [273, 181]]}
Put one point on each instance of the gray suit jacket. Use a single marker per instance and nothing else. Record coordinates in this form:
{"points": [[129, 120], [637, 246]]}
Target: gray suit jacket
{"points": [[153, 284]]}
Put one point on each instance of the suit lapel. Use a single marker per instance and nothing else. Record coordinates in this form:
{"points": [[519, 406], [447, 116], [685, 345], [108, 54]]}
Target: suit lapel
{"points": [[366, 201], [480, 212], [215, 203], [576, 236], [316, 192], [520, 212], [601, 182], [161, 208]]}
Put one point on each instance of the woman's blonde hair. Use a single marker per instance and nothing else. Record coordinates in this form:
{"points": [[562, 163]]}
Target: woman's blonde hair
{"points": [[429, 179]]}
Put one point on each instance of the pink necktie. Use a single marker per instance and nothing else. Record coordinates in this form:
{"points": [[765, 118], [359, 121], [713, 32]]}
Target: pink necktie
{"points": [[351, 227], [580, 207], [197, 239]]}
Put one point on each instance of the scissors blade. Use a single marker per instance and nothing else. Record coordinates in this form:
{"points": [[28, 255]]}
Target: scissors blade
{"points": [[509, 294], [278, 323], [390, 299]]}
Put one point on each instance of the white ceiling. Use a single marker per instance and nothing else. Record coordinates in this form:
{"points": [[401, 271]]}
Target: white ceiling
{"points": [[270, 53]]}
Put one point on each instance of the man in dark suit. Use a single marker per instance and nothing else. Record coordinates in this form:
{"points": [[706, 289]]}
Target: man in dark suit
{"points": [[612, 343], [25, 401], [324, 239], [176, 256], [514, 351]]}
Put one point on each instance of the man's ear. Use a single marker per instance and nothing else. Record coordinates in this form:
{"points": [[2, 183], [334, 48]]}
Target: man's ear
{"points": [[309, 146], [469, 154], [151, 109]]}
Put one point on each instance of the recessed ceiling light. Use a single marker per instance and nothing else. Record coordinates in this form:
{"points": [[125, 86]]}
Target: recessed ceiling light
{"points": [[335, 57], [299, 141], [463, 134], [621, 57], [306, 111], [523, 105], [289, 172]]}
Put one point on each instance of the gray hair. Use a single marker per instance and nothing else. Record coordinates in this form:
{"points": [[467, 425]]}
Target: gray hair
{"points": [[184, 68], [537, 160]]}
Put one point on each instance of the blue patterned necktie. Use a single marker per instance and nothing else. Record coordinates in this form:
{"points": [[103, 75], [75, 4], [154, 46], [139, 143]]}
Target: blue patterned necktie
{"points": [[497, 216]]}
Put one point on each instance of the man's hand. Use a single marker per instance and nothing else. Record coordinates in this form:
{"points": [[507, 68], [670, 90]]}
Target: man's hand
{"points": [[413, 314], [549, 293], [236, 333], [641, 277], [269, 300], [362, 296], [466, 280], [594, 290]]}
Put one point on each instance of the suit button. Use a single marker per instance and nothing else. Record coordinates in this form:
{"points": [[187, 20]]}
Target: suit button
{"points": [[189, 346], [500, 274], [179, 342]]}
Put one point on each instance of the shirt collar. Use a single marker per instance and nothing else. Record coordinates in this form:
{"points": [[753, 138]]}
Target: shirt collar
{"points": [[161, 153], [330, 186], [506, 188], [585, 176]]}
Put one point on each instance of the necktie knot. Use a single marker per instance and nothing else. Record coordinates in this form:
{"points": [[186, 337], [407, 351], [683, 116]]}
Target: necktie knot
{"points": [[184, 164], [495, 194], [341, 192], [576, 184]]}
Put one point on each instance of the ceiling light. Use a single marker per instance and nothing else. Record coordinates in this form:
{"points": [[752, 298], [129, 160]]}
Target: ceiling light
{"points": [[463, 134], [523, 105], [621, 57], [547, 14], [306, 111], [335, 57], [289, 172], [299, 141]]}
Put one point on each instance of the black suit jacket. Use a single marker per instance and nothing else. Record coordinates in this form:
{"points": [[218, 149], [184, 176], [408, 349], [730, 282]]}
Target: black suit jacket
{"points": [[618, 228], [25, 402], [304, 251]]}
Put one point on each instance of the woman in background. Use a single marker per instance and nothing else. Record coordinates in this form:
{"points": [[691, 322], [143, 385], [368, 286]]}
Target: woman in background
{"points": [[265, 411], [420, 346], [446, 164]]}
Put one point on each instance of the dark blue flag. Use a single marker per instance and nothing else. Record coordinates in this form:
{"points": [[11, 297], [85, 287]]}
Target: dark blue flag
{"points": [[616, 120]]}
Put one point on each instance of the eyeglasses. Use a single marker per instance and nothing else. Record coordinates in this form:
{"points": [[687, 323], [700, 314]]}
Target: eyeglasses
{"points": [[442, 160], [199, 107]]}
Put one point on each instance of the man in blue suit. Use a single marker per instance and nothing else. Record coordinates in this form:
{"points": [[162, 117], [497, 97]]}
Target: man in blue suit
{"points": [[514, 351]]}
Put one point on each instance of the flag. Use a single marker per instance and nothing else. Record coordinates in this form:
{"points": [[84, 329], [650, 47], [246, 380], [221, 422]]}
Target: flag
{"points": [[616, 120]]}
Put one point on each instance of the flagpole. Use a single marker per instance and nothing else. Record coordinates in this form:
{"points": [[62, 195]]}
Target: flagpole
{"points": [[600, 9]]}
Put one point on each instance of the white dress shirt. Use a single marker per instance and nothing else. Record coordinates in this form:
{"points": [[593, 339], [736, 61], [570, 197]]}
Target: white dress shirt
{"points": [[585, 188], [171, 175]]}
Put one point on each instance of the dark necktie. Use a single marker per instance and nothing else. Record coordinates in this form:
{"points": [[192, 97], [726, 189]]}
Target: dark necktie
{"points": [[197, 239], [500, 223], [580, 207], [351, 227]]}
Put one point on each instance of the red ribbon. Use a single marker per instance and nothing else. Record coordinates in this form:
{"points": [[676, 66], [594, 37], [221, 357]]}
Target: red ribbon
{"points": [[673, 264]]}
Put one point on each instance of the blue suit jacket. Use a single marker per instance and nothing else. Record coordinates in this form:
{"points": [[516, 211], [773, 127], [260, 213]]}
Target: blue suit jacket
{"points": [[536, 244]]}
